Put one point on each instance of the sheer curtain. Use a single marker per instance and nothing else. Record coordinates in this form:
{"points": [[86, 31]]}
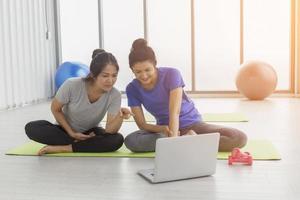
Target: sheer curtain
{"points": [[27, 52]]}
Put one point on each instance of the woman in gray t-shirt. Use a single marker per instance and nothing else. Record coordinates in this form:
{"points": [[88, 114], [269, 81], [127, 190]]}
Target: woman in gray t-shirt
{"points": [[79, 106]]}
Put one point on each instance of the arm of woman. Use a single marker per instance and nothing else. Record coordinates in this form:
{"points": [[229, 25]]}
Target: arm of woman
{"points": [[139, 118], [174, 110], [56, 109], [114, 122]]}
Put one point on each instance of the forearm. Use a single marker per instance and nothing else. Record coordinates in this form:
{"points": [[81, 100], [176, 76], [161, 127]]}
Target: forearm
{"points": [[115, 125], [174, 125], [60, 118], [174, 111], [153, 128]]}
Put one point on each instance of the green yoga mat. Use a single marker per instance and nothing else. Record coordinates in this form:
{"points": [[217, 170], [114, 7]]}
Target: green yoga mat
{"points": [[224, 117], [259, 149], [207, 117]]}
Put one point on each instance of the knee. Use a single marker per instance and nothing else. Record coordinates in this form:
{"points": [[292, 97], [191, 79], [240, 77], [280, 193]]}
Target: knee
{"points": [[30, 129], [34, 128], [140, 141], [136, 142], [232, 138], [131, 143], [242, 139], [117, 141]]}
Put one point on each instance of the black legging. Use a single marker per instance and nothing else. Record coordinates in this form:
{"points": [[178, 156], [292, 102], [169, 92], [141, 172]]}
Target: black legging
{"points": [[45, 132]]}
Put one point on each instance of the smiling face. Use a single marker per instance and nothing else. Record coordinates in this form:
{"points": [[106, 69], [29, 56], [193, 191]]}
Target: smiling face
{"points": [[107, 78], [145, 72]]}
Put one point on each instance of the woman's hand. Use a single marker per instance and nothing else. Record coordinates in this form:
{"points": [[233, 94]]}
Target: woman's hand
{"points": [[114, 122], [191, 132], [80, 136], [170, 133], [125, 113]]}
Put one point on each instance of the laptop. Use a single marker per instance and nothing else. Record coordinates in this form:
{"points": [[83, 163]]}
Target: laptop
{"points": [[183, 157]]}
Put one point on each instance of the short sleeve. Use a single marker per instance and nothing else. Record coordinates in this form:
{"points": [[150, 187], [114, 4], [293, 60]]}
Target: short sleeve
{"points": [[132, 96], [173, 79], [63, 94], [115, 104]]}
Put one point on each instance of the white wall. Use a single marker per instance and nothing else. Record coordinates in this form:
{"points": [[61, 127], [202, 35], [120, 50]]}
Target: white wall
{"points": [[122, 24], [217, 44], [79, 29], [217, 36], [169, 33], [267, 36]]}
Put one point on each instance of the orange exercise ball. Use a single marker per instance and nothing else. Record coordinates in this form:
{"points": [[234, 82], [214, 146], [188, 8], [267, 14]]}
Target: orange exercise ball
{"points": [[256, 80]]}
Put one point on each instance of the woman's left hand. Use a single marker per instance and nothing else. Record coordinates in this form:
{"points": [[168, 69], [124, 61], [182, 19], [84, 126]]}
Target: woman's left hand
{"points": [[125, 113], [170, 133]]}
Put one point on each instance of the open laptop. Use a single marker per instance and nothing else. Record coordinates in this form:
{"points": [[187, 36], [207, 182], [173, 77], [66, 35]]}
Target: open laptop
{"points": [[184, 157]]}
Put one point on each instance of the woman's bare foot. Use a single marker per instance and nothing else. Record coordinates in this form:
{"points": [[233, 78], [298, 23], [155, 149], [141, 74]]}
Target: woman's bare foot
{"points": [[191, 132], [55, 149]]}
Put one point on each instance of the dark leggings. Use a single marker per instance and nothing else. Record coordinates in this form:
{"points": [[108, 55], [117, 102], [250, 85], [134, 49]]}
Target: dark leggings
{"points": [[45, 132]]}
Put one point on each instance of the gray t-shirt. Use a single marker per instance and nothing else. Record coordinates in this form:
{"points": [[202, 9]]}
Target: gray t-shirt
{"points": [[79, 112]]}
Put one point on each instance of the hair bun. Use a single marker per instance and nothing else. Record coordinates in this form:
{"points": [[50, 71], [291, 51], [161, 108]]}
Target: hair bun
{"points": [[96, 52], [139, 44]]}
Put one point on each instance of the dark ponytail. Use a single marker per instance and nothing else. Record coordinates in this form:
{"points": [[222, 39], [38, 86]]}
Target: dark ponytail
{"points": [[100, 59], [140, 51]]}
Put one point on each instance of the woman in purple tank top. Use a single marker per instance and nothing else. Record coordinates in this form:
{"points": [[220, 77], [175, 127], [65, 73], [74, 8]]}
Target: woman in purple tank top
{"points": [[160, 91]]}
